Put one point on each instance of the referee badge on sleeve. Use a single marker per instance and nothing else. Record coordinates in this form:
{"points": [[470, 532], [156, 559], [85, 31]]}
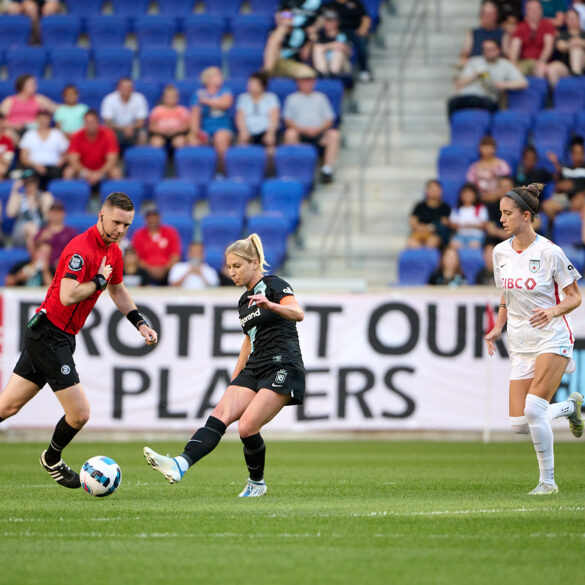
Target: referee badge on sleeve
{"points": [[534, 265], [76, 263]]}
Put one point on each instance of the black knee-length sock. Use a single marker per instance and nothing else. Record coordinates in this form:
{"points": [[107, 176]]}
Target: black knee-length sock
{"points": [[255, 455], [62, 436], [204, 441]]}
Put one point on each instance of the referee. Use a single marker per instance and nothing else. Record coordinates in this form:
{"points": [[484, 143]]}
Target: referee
{"points": [[89, 264]]}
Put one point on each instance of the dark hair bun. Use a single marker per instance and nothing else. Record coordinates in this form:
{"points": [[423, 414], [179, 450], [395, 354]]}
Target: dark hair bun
{"points": [[535, 189]]}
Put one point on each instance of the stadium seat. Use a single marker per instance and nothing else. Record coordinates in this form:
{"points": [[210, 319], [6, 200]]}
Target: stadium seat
{"points": [[540, 84], [246, 163], [6, 88], [282, 87], [467, 133], [283, 197], [373, 10], [14, 30], [526, 100], [187, 87], [8, 258], [481, 117], [579, 128], [69, 63], [453, 163], [265, 7], [511, 155], [130, 10], [569, 95], [151, 90], [107, 30], [199, 58], [545, 223], [215, 258], [196, 163], [224, 8], [237, 87], [84, 9], [242, 61], [154, 30], [451, 190], [552, 128], [185, 225], [137, 223], [158, 63], [176, 196], [333, 89], [177, 9], [146, 164], [228, 197], [113, 62], [219, 231], [132, 187], [203, 30], [73, 193], [21, 60], [567, 229], [416, 266], [251, 30], [81, 221], [509, 133], [296, 162], [471, 263], [52, 88], [576, 255], [93, 91], [273, 229], [60, 29], [5, 188], [516, 116]]}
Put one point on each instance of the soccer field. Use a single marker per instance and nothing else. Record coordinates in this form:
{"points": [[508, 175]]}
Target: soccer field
{"points": [[335, 513]]}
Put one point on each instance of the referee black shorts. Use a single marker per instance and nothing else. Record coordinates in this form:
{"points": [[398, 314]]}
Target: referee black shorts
{"points": [[286, 379], [47, 357]]}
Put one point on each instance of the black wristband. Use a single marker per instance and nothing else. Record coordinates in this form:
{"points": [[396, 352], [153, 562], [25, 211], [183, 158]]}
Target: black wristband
{"points": [[135, 317], [100, 282]]}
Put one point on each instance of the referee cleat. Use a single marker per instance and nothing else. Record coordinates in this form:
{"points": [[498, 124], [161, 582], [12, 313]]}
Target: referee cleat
{"points": [[254, 489], [61, 473], [544, 489], [168, 466], [576, 423]]}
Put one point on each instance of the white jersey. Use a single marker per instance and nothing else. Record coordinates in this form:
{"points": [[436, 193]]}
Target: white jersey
{"points": [[534, 278]]}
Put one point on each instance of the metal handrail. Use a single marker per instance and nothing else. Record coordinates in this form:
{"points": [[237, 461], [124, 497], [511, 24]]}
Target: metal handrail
{"points": [[339, 226]]}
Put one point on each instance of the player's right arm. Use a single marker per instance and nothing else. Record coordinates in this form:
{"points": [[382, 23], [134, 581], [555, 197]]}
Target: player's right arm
{"points": [[72, 292], [244, 355], [495, 333]]}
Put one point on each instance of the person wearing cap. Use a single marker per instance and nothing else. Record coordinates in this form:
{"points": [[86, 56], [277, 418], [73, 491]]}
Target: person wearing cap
{"points": [[331, 50], [309, 118], [158, 246]]}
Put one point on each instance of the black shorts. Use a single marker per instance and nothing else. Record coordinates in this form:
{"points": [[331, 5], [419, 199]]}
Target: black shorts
{"points": [[286, 379], [47, 357], [315, 140]]}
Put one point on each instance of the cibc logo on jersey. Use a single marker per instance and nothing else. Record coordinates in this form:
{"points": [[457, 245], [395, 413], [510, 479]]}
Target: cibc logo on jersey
{"points": [[520, 283]]}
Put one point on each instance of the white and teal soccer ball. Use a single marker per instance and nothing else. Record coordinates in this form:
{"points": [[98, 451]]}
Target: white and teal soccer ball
{"points": [[100, 476]]}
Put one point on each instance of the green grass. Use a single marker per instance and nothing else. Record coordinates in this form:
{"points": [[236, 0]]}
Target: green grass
{"points": [[359, 512]]}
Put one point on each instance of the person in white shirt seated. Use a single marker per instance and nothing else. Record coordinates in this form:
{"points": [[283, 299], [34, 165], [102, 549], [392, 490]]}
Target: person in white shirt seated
{"points": [[195, 273]]}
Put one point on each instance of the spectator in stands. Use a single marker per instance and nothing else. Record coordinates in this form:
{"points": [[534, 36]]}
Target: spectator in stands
{"points": [[510, 12], [125, 111], [355, 24], [36, 271], [532, 43], [529, 171], [257, 113], [488, 29], [309, 118], [134, 274], [555, 11], [44, 149], [6, 150], [93, 152], [579, 7], [485, 276], [210, 113], [34, 9], [495, 232], [69, 116], [484, 79], [331, 50], [169, 122], [429, 221], [468, 219], [569, 51], [20, 110], [449, 272], [304, 13], [29, 206], [158, 247], [55, 233], [195, 273]]}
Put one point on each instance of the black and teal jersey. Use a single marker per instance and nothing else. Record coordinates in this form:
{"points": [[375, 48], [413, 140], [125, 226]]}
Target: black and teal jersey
{"points": [[274, 338]]}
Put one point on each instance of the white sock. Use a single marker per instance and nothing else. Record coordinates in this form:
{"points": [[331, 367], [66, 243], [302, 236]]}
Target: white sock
{"points": [[519, 425], [536, 412], [559, 409], [326, 169], [182, 463]]}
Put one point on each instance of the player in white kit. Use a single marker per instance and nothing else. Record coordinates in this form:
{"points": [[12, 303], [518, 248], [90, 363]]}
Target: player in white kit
{"points": [[539, 287]]}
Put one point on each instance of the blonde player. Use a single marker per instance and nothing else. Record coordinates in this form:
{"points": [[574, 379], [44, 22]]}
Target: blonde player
{"points": [[539, 288]]}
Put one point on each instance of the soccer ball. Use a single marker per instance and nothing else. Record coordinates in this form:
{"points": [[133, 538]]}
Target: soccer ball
{"points": [[100, 476]]}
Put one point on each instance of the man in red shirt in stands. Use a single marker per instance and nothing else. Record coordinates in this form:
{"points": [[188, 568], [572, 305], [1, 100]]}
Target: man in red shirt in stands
{"points": [[93, 152], [158, 246], [90, 263], [532, 43]]}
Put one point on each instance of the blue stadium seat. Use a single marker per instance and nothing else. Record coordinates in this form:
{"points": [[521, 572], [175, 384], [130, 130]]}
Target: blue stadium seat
{"points": [[158, 63], [137, 223], [151, 90], [453, 163], [197, 59], [333, 89], [515, 116], [540, 84], [567, 229], [132, 187], [187, 87], [81, 221], [237, 87], [296, 162], [251, 29], [526, 100], [146, 164], [84, 9], [21, 60], [69, 63], [73, 193], [196, 163], [471, 263], [52, 88], [552, 128], [282, 87], [265, 7], [130, 10], [113, 62], [219, 231], [509, 133], [242, 61], [60, 29], [579, 128], [511, 155], [5, 188], [283, 197], [416, 266], [467, 133], [154, 30], [246, 163], [14, 30], [214, 257], [228, 197], [545, 223], [542, 151], [451, 190], [480, 117], [8, 258], [6, 88], [203, 30], [225, 8], [177, 9], [185, 225], [373, 10], [569, 95], [273, 229], [93, 91], [107, 30], [176, 196], [576, 254]]}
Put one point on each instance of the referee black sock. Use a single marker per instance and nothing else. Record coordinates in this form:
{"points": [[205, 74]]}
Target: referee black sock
{"points": [[62, 436], [255, 455], [204, 441]]}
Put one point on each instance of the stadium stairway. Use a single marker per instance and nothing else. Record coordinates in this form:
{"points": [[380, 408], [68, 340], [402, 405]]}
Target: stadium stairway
{"points": [[391, 189]]}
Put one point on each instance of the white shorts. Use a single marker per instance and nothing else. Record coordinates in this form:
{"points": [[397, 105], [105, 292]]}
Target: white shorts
{"points": [[523, 363]]}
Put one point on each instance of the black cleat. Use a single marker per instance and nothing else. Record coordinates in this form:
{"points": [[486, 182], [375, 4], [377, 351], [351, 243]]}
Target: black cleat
{"points": [[61, 473]]}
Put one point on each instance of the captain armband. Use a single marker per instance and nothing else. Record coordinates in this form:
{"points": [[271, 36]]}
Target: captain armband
{"points": [[136, 318]]}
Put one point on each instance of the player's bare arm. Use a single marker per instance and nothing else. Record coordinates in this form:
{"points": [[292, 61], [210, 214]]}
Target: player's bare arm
{"points": [[243, 357], [571, 301], [495, 333], [72, 292]]}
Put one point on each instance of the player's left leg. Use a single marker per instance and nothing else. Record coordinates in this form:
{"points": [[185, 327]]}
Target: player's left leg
{"points": [[15, 395]]}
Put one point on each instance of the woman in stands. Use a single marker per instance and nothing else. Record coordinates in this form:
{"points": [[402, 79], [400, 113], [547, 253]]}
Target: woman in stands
{"points": [[449, 272], [539, 288], [169, 122], [269, 373]]}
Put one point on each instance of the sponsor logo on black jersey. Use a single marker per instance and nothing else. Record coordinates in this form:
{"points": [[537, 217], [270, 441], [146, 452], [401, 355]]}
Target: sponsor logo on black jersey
{"points": [[287, 290], [249, 317]]}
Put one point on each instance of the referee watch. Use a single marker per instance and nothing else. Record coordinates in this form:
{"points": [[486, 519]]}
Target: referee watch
{"points": [[100, 282]]}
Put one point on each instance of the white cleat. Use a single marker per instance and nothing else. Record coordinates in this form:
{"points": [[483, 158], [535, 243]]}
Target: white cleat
{"points": [[576, 422], [544, 489], [254, 489], [168, 466]]}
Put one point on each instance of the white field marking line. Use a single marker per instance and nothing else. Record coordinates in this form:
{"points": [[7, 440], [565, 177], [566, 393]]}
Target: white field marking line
{"points": [[471, 512]]}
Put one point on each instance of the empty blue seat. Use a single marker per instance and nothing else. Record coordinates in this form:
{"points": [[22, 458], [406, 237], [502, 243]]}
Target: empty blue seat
{"points": [[214, 257], [576, 255], [199, 58], [151, 90], [243, 61], [131, 187], [30, 60], [481, 117], [196, 163], [296, 162], [509, 133], [137, 223], [282, 87], [186, 88], [540, 84], [219, 231], [466, 133], [237, 87], [10, 257], [545, 223], [373, 10], [511, 155], [471, 263], [176, 196], [107, 30], [5, 188], [177, 9], [228, 197], [569, 95], [251, 29], [52, 88], [69, 63], [113, 62], [333, 89], [224, 8], [451, 190], [203, 30], [130, 10], [246, 163], [266, 7], [14, 30], [579, 128], [567, 229], [273, 229], [416, 266], [552, 128], [6, 88], [283, 197], [60, 29], [453, 163], [93, 91], [84, 9], [516, 116], [158, 63], [73, 193], [526, 100], [154, 30], [185, 225], [81, 221], [146, 164]]}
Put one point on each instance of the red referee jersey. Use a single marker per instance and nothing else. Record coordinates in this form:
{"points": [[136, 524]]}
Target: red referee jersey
{"points": [[80, 261]]}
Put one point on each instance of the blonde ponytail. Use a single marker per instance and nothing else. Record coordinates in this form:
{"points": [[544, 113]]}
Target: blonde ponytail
{"points": [[250, 249]]}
